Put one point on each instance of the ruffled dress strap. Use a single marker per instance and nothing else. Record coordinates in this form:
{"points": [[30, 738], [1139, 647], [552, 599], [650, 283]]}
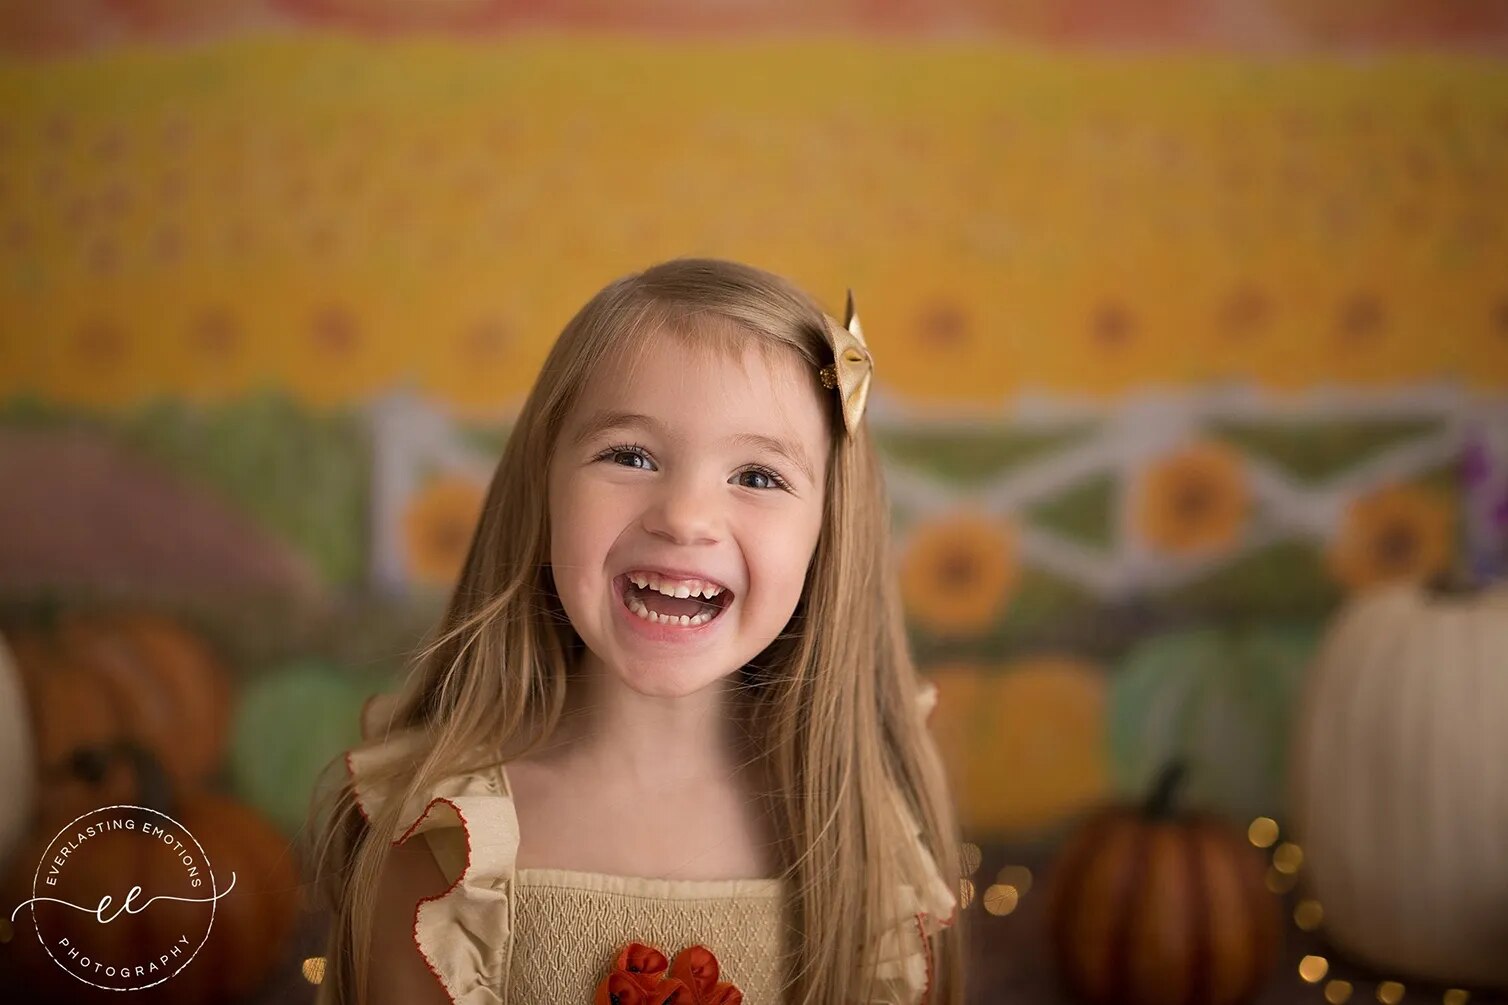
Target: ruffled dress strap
{"points": [[463, 934], [925, 903]]}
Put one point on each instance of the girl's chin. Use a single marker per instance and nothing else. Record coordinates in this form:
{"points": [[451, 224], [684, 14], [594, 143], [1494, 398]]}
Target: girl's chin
{"points": [[656, 680]]}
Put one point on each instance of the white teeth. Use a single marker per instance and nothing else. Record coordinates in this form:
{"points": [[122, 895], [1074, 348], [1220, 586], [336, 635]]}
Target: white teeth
{"points": [[636, 606], [674, 588]]}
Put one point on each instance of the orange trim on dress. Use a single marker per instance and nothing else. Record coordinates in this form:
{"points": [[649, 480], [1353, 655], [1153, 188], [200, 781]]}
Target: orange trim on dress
{"points": [[402, 839], [921, 931]]}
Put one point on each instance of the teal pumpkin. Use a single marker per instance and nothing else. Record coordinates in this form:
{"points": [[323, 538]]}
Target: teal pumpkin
{"points": [[289, 724], [1219, 698]]}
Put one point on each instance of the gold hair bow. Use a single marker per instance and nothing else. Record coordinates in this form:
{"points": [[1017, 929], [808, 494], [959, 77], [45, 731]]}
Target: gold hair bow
{"points": [[852, 366]]}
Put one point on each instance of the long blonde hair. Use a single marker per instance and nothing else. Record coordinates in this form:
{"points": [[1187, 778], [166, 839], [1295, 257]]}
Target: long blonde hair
{"points": [[831, 703]]}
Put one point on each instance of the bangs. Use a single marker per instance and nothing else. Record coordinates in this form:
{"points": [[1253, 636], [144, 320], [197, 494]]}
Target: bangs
{"points": [[703, 334]]}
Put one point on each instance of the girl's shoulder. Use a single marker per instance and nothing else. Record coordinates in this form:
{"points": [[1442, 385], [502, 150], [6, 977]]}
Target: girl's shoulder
{"points": [[380, 767], [467, 819]]}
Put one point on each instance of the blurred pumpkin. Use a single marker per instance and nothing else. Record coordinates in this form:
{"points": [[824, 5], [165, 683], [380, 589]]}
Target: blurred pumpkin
{"points": [[17, 765], [100, 677], [1024, 743], [1218, 698], [252, 920], [1146, 906], [1398, 780]]}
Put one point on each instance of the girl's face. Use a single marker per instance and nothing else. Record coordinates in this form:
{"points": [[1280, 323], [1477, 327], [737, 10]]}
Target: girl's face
{"points": [[695, 469]]}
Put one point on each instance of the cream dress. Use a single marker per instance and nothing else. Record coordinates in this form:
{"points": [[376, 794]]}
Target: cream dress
{"points": [[501, 935]]}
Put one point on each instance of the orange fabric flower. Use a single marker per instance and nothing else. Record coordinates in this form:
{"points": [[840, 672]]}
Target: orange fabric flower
{"points": [[619, 988], [697, 968], [638, 977], [645, 964]]}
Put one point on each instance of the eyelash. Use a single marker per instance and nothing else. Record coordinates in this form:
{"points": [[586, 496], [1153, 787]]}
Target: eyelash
{"points": [[639, 450]]}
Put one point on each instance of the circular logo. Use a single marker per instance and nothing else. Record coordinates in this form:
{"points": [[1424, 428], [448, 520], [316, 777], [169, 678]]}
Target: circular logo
{"points": [[124, 897]]}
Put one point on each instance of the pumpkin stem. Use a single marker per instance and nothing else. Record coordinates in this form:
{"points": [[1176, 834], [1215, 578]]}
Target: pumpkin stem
{"points": [[1456, 581], [1159, 803], [152, 786], [48, 614]]}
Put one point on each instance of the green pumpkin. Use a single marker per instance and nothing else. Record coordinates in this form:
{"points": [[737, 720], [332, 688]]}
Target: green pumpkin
{"points": [[289, 724], [1221, 698]]}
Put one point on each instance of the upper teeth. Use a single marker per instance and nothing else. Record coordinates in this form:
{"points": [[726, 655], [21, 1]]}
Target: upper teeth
{"points": [[674, 587]]}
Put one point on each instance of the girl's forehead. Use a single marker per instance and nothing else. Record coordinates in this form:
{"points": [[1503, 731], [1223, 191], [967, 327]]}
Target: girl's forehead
{"points": [[709, 341], [707, 392], [725, 367]]}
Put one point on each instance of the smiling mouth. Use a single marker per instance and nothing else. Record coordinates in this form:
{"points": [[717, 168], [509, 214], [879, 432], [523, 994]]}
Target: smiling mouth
{"points": [[649, 604]]}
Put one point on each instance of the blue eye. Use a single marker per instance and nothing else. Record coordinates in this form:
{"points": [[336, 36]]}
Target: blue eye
{"points": [[778, 482], [632, 449], [636, 450]]}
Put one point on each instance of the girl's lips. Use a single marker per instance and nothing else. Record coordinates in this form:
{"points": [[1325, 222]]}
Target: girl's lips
{"points": [[660, 631]]}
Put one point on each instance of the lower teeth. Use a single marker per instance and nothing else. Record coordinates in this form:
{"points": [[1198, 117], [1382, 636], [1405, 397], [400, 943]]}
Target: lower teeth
{"points": [[684, 620]]}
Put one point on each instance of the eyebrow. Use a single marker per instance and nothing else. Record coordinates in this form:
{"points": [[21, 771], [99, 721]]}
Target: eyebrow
{"points": [[606, 419]]}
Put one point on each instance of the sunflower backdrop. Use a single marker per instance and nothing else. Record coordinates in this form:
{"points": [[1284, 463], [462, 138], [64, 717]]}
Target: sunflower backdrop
{"points": [[1174, 350]]}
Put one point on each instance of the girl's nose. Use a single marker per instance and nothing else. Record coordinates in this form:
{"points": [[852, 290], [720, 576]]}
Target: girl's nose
{"points": [[686, 511]]}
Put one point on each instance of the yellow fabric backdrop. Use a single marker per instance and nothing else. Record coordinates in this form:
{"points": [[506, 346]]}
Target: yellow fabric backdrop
{"points": [[338, 217]]}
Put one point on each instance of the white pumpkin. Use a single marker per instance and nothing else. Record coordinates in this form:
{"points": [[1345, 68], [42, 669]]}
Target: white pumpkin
{"points": [[1399, 782], [17, 757]]}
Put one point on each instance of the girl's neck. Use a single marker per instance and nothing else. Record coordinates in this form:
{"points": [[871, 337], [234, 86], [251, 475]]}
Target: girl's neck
{"points": [[644, 743], [641, 786]]}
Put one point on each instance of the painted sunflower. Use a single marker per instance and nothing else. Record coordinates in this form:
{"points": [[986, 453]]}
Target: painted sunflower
{"points": [[1194, 501], [957, 572], [437, 527], [1396, 532]]}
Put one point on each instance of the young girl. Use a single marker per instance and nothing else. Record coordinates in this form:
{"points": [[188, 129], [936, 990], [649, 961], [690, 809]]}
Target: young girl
{"points": [[670, 713]]}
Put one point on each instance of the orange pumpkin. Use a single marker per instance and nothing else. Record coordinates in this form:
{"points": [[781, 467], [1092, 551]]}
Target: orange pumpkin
{"points": [[1149, 907], [253, 917], [1047, 710], [97, 678]]}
